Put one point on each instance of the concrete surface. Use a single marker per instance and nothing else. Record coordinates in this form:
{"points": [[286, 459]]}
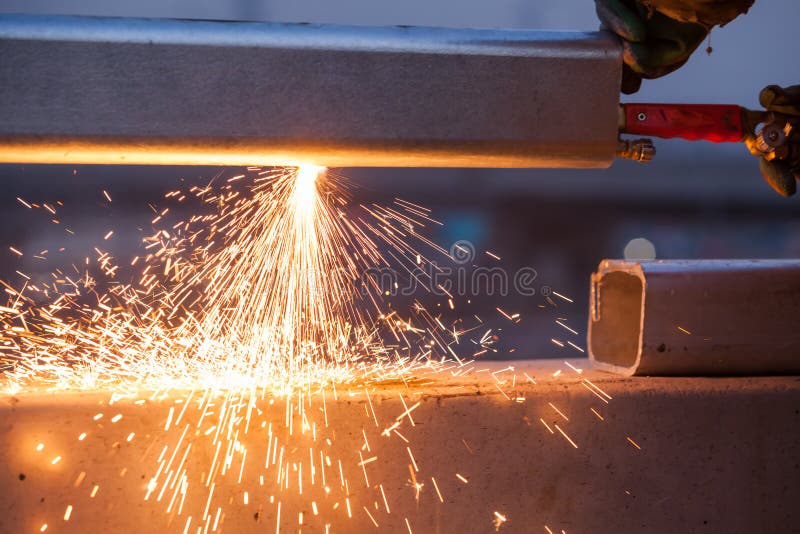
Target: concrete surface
{"points": [[668, 455]]}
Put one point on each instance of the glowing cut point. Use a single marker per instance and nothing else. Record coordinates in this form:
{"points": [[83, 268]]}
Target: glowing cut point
{"points": [[309, 172], [305, 190]]}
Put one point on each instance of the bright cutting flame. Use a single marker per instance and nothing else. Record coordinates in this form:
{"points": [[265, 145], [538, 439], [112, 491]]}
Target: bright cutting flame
{"points": [[304, 196]]}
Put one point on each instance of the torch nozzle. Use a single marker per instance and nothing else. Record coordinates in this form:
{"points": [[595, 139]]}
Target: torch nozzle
{"points": [[641, 150]]}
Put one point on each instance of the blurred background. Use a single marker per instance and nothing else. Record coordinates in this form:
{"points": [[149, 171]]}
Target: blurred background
{"points": [[695, 200]]}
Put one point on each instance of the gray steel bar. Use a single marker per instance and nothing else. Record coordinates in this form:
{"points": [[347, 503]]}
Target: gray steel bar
{"points": [[92, 90], [696, 317]]}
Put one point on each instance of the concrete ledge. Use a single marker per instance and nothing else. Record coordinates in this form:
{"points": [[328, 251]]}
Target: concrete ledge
{"points": [[668, 455]]}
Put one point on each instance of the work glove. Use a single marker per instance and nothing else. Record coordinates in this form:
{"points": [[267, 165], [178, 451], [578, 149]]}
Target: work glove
{"points": [[653, 44], [781, 169]]}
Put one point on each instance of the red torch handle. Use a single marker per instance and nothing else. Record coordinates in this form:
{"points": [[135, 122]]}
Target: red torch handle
{"points": [[710, 122]]}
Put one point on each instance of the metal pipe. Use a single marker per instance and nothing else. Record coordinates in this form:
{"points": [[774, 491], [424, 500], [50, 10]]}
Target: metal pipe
{"points": [[696, 317], [94, 90]]}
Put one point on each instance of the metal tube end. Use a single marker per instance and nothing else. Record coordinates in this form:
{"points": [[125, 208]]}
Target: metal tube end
{"points": [[695, 317]]}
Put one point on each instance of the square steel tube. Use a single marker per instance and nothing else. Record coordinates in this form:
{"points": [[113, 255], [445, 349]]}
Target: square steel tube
{"points": [[695, 317], [136, 91]]}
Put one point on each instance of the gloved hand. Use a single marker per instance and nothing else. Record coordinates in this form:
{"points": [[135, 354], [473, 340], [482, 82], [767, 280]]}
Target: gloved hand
{"points": [[653, 43], [658, 36], [781, 169]]}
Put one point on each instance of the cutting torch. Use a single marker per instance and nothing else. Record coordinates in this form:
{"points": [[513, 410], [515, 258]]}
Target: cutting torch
{"points": [[765, 133]]}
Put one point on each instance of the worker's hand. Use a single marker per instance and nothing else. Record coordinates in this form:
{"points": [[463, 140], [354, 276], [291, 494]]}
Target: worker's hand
{"points": [[782, 171], [653, 43]]}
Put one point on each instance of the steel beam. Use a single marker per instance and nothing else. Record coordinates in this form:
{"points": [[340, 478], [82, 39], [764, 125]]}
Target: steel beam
{"points": [[696, 317], [93, 90]]}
